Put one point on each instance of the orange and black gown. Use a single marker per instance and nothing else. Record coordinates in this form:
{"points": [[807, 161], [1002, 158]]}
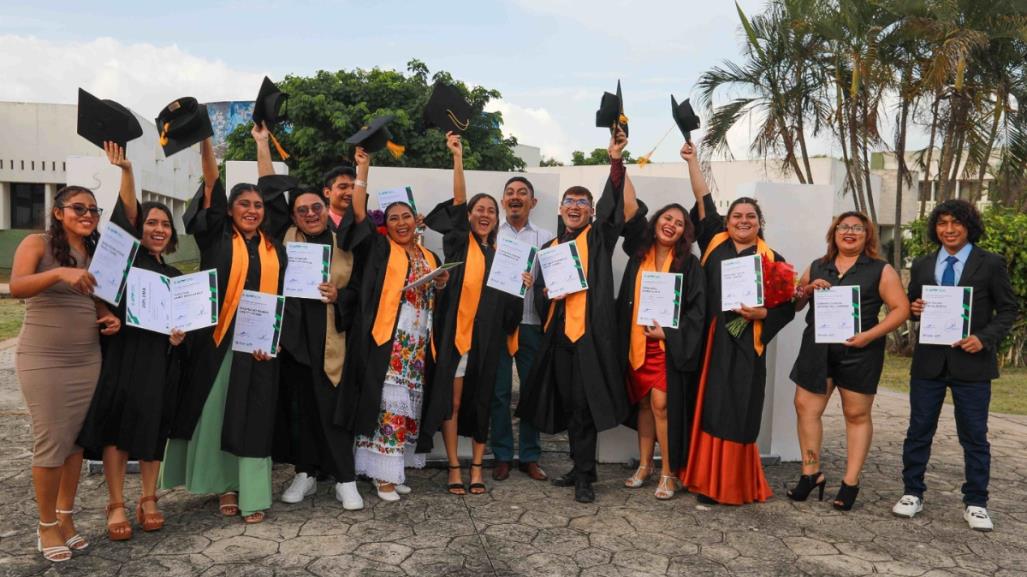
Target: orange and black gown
{"points": [[723, 459], [671, 365]]}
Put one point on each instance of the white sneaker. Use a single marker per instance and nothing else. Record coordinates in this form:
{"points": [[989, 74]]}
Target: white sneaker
{"points": [[302, 485], [349, 496], [978, 519], [908, 506], [403, 489]]}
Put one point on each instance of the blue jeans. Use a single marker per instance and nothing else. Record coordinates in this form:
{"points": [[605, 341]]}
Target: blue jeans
{"points": [[529, 340], [970, 401]]}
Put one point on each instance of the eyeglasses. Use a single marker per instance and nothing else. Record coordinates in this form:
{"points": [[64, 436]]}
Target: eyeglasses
{"points": [[81, 209], [856, 228], [579, 202], [315, 208]]}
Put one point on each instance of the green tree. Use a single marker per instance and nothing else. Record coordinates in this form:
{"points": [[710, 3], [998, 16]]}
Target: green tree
{"points": [[550, 162], [328, 107], [598, 156]]}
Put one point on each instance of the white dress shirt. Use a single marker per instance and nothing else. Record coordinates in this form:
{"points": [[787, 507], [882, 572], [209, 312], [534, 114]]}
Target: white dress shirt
{"points": [[535, 236]]}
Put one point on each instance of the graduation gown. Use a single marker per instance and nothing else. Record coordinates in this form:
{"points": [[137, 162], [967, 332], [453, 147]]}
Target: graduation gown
{"points": [[359, 399], [682, 346], [135, 395], [600, 369], [253, 387], [497, 316]]}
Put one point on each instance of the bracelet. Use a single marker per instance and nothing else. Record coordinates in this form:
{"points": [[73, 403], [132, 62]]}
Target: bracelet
{"points": [[360, 183]]}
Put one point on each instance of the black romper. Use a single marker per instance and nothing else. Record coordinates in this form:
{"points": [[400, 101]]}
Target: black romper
{"points": [[852, 369]]}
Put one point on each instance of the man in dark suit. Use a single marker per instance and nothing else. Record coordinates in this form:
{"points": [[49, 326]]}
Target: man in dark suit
{"points": [[966, 367]]}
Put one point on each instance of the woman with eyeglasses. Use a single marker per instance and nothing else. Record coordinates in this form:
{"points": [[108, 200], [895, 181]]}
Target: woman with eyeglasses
{"points": [[853, 367], [130, 413], [222, 430], [313, 339], [391, 352], [473, 323], [58, 357]]}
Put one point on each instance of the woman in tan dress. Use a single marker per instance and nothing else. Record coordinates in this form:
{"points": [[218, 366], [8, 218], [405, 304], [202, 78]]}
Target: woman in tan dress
{"points": [[58, 357]]}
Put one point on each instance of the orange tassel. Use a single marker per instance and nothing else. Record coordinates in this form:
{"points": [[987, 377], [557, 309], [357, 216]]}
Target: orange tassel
{"points": [[397, 150], [278, 146], [622, 119], [164, 134]]}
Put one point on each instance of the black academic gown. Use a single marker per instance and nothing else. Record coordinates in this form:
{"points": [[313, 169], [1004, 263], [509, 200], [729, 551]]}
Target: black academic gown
{"points": [[683, 345], [138, 386], [736, 382], [360, 398], [498, 315], [600, 369], [304, 326], [253, 387]]}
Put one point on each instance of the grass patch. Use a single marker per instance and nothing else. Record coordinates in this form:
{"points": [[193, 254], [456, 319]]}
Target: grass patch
{"points": [[1007, 392], [12, 311]]}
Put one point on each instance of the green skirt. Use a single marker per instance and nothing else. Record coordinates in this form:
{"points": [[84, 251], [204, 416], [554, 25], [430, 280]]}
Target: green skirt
{"points": [[203, 467]]}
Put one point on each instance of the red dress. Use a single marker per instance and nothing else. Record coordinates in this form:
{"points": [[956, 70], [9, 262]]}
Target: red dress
{"points": [[651, 375]]}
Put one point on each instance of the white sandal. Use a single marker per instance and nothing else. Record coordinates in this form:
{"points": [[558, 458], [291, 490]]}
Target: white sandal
{"points": [[638, 479], [392, 495], [669, 485], [55, 554], [76, 542]]}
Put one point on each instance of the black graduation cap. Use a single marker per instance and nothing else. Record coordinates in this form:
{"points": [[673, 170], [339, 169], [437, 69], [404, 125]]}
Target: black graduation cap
{"points": [[182, 124], [611, 111], [684, 116], [447, 109], [376, 136], [100, 120], [269, 107]]}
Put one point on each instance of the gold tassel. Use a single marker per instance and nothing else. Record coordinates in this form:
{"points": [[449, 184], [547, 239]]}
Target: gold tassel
{"points": [[278, 146], [164, 134], [644, 160], [397, 150], [622, 119]]}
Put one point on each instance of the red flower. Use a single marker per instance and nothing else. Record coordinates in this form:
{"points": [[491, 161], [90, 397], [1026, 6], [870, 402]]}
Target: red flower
{"points": [[778, 283]]}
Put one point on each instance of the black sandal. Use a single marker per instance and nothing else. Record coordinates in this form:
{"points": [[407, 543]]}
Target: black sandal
{"points": [[805, 486], [477, 488], [452, 488], [846, 497]]}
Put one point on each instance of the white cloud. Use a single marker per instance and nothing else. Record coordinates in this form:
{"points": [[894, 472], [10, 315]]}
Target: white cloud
{"points": [[534, 126], [142, 76]]}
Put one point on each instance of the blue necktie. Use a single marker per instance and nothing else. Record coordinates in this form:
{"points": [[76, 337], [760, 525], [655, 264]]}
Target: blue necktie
{"points": [[948, 276]]}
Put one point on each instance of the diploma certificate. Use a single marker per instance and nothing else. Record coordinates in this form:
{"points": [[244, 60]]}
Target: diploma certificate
{"points": [[159, 303], [258, 322], [946, 316], [659, 299], [562, 270], [431, 275], [111, 262], [307, 268], [741, 282], [513, 259], [837, 314], [387, 197]]}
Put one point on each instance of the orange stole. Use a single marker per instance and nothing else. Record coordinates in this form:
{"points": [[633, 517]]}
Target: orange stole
{"points": [[763, 250], [269, 267], [636, 352], [470, 295], [574, 304], [392, 289]]}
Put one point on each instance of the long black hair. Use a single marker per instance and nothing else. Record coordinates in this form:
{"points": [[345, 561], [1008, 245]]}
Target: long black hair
{"points": [[144, 212], [58, 238], [756, 205], [683, 246], [491, 240]]}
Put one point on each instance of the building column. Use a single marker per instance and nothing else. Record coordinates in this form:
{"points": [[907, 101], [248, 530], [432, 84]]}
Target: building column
{"points": [[5, 206], [49, 191]]}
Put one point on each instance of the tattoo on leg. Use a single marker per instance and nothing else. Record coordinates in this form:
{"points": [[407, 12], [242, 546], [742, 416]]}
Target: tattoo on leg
{"points": [[811, 457]]}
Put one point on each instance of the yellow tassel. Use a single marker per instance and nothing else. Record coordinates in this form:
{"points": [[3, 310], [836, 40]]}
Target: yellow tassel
{"points": [[164, 134], [278, 146], [622, 119], [642, 161], [397, 150]]}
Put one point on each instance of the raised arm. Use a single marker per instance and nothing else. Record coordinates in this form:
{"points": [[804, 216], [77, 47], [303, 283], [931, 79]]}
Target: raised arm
{"points": [[699, 187], [456, 148], [359, 201], [260, 135], [618, 141], [127, 192], [210, 169]]}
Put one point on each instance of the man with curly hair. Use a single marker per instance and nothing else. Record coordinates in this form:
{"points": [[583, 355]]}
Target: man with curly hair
{"points": [[967, 367]]}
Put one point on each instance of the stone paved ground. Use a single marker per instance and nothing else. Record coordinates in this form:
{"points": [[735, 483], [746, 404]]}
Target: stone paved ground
{"points": [[524, 527]]}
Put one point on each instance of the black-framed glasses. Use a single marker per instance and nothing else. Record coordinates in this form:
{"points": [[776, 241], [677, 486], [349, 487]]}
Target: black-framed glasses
{"points": [[856, 228], [579, 202], [81, 209], [316, 208]]}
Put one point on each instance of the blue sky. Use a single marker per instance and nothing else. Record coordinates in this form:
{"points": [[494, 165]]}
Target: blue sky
{"points": [[551, 59]]}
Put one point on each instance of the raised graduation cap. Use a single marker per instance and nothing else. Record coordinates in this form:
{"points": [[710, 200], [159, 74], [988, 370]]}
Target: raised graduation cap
{"points": [[183, 123], [270, 108], [447, 109], [684, 116], [375, 136], [611, 111], [105, 120]]}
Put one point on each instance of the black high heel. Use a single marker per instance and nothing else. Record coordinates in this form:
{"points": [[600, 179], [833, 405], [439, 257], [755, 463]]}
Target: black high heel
{"points": [[457, 489], [805, 486], [846, 497]]}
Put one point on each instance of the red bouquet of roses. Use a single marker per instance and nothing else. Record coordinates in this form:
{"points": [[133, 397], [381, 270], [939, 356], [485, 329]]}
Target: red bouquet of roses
{"points": [[378, 218], [778, 288]]}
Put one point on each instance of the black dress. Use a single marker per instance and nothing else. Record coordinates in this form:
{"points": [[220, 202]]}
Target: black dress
{"points": [[682, 345], [852, 369], [253, 385], [497, 316], [135, 396]]}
